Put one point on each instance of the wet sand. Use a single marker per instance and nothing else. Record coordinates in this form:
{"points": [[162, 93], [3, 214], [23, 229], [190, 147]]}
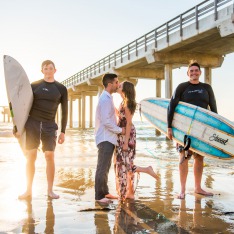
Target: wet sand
{"points": [[155, 209]]}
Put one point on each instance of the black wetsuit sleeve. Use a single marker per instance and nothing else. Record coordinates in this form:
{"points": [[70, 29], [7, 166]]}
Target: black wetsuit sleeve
{"points": [[64, 107], [212, 100], [174, 102]]}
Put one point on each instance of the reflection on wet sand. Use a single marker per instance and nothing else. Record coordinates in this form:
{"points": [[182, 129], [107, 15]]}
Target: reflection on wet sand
{"points": [[209, 181], [30, 222], [157, 213], [155, 209], [160, 208], [125, 218], [147, 215], [163, 195], [101, 222], [50, 218], [76, 181], [202, 217], [135, 217], [183, 222]]}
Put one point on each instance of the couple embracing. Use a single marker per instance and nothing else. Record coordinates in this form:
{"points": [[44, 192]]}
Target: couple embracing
{"points": [[116, 136]]}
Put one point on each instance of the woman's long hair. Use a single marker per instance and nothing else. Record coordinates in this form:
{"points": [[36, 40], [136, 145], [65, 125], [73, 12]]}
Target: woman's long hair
{"points": [[130, 96]]}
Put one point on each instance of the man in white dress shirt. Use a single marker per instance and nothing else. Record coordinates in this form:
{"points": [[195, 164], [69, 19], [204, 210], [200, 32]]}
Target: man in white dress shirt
{"points": [[106, 131]]}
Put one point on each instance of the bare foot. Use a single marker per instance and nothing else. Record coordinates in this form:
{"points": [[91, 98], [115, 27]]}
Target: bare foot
{"points": [[181, 196], [104, 201], [52, 195], [25, 196], [151, 172], [203, 192], [110, 196]]}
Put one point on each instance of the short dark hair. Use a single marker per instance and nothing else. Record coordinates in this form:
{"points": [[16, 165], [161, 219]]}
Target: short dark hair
{"points": [[108, 78], [47, 62], [194, 63]]}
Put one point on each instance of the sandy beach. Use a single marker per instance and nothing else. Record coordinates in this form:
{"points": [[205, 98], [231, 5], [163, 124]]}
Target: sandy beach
{"points": [[155, 209]]}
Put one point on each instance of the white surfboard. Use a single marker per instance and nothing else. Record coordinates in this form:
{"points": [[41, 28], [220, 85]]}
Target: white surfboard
{"points": [[20, 95]]}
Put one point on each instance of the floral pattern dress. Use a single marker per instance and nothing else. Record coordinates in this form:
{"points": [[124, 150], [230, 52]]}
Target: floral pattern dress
{"points": [[124, 166]]}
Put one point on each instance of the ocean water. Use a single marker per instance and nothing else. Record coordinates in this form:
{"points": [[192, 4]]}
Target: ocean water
{"points": [[149, 144]]}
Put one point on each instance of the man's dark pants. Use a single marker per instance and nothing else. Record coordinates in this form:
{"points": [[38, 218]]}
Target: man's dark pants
{"points": [[105, 153]]}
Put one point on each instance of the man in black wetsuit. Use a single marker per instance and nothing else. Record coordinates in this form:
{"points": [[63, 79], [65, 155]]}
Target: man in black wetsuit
{"points": [[41, 126], [199, 94]]}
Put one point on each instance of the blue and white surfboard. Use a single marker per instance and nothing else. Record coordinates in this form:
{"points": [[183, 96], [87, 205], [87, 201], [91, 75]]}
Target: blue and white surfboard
{"points": [[211, 134]]}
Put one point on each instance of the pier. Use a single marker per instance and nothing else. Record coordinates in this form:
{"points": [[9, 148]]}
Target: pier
{"points": [[6, 113], [204, 32]]}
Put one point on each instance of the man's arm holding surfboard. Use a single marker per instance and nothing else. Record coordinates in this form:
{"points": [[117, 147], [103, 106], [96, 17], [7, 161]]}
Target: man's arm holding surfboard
{"points": [[212, 100]]}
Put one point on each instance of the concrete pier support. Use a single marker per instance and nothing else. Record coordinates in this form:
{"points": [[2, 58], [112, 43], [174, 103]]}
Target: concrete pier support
{"points": [[208, 75], [90, 111], [79, 112], [6, 112], [100, 89], [70, 112], [83, 97], [158, 88], [168, 80], [158, 94]]}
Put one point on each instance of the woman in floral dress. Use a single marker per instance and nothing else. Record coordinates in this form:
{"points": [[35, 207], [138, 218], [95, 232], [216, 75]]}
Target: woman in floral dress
{"points": [[126, 144]]}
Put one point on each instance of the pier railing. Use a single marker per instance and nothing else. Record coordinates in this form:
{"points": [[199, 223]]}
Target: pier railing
{"points": [[190, 16]]}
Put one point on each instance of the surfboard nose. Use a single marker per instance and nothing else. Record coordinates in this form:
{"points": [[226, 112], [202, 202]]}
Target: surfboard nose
{"points": [[5, 57]]}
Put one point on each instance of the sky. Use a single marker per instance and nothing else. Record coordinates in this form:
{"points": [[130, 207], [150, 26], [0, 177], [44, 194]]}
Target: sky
{"points": [[76, 34]]}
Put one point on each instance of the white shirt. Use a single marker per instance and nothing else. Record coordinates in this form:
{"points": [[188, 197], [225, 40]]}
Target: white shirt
{"points": [[106, 128]]}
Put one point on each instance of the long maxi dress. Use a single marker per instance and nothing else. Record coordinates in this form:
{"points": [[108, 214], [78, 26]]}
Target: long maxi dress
{"points": [[124, 166]]}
